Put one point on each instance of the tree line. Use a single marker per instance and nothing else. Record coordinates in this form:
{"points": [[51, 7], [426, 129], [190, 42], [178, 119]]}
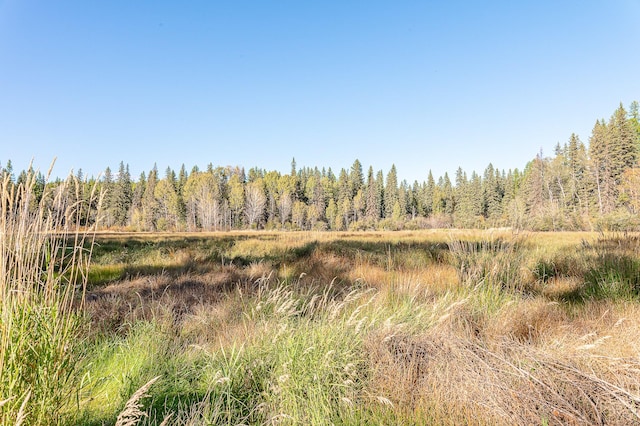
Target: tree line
{"points": [[580, 186]]}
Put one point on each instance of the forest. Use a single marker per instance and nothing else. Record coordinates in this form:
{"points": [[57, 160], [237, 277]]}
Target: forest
{"points": [[594, 186]]}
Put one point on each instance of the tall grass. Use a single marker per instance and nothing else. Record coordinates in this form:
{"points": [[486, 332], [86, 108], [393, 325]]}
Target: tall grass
{"points": [[430, 329], [492, 262], [43, 266]]}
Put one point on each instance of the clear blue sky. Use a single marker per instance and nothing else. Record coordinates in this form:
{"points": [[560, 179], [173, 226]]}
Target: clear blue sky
{"points": [[422, 84]]}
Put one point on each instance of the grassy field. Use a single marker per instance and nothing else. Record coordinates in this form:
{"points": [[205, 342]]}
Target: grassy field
{"points": [[431, 327], [442, 327]]}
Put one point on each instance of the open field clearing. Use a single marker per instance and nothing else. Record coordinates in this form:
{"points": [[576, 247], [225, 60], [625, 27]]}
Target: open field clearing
{"points": [[436, 327], [430, 327]]}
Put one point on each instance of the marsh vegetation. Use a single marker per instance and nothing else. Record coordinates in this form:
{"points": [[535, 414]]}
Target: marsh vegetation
{"points": [[423, 327]]}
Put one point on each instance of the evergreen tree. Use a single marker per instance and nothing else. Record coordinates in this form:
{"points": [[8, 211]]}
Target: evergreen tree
{"points": [[380, 187], [403, 201], [439, 198], [634, 118], [329, 186], [122, 196], [182, 179], [7, 172], [255, 174], [297, 192], [469, 201], [428, 195], [171, 178], [492, 193], [602, 164], [149, 204], [181, 182], [356, 178], [463, 215], [108, 197], [449, 198], [414, 196], [476, 201], [391, 192], [537, 193], [623, 139], [578, 184]]}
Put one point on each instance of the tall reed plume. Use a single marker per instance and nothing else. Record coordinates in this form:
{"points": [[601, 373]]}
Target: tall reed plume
{"points": [[44, 255]]}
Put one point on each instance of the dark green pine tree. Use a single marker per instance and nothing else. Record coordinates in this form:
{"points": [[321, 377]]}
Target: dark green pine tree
{"points": [[602, 166], [380, 189], [149, 203], [298, 184], [463, 215], [492, 193], [182, 180], [391, 195], [623, 141], [448, 195], [414, 197], [427, 195], [108, 191], [171, 178], [356, 178], [535, 188], [578, 183], [402, 209], [122, 196], [356, 181], [634, 118], [511, 187], [475, 192]]}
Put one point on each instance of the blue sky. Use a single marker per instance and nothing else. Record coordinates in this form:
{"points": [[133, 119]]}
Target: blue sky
{"points": [[422, 84]]}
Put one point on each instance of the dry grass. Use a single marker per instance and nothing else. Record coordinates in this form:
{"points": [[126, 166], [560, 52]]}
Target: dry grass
{"points": [[132, 412], [415, 328], [509, 378]]}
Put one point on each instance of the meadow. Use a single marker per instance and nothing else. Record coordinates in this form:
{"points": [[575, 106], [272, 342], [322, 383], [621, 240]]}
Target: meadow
{"points": [[442, 327]]}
